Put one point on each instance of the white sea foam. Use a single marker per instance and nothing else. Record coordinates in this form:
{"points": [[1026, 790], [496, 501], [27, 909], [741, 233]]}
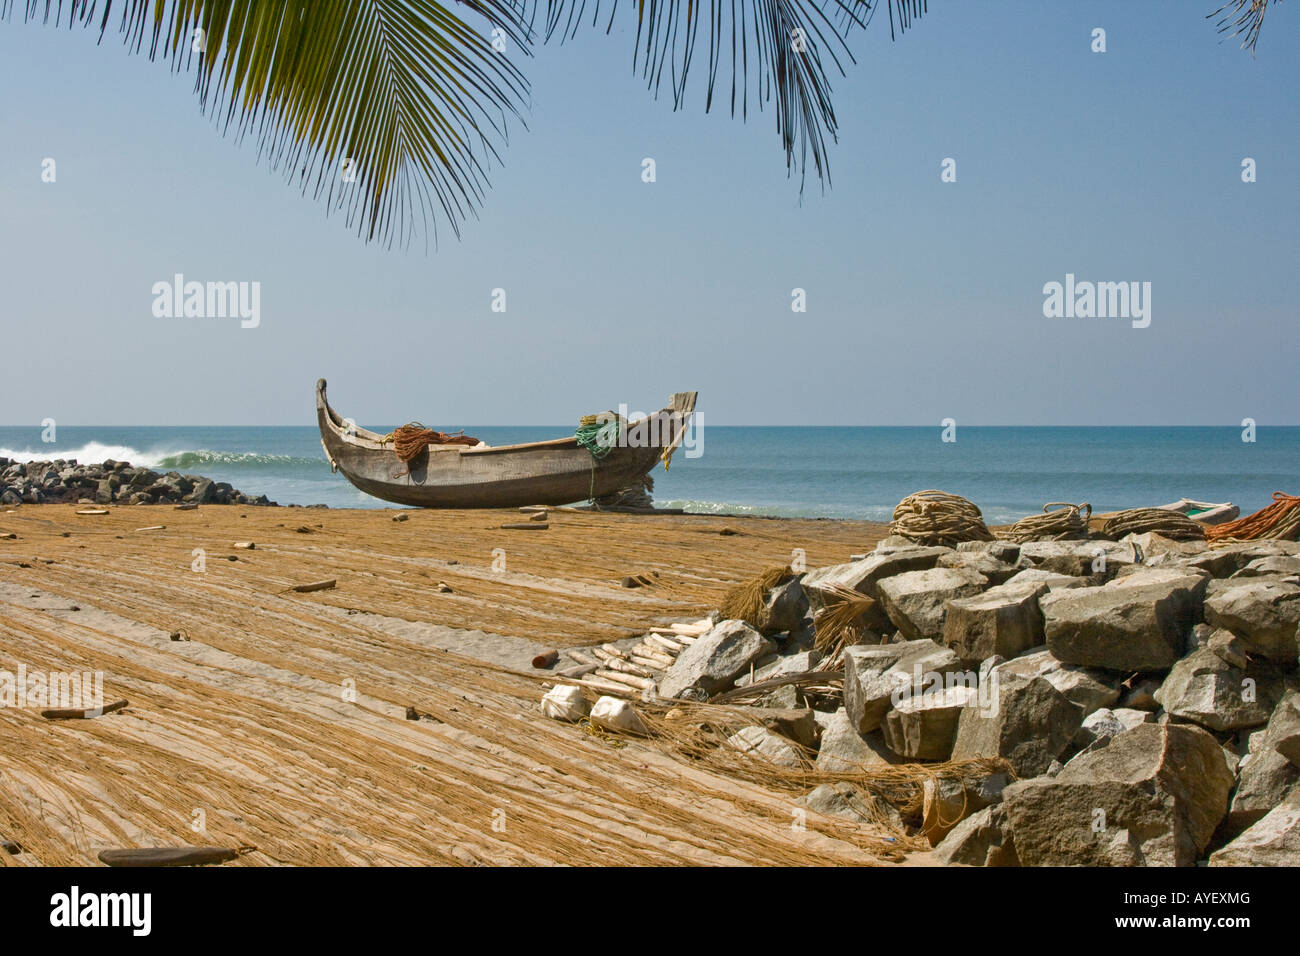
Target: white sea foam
{"points": [[91, 453]]}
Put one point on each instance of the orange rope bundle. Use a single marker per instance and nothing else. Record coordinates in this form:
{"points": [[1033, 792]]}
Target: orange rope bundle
{"points": [[1281, 519], [413, 438]]}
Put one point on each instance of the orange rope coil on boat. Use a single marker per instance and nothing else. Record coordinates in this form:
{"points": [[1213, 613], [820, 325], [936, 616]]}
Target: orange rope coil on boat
{"points": [[1281, 520], [413, 438]]}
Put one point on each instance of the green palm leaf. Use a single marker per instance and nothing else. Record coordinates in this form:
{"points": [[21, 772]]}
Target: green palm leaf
{"points": [[756, 39], [1242, 18], [394, 109], [391, 109]]}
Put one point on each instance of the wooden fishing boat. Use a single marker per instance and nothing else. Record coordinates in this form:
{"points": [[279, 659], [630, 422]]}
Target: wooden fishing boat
{"points": [[553, 472], [1206, 512]]}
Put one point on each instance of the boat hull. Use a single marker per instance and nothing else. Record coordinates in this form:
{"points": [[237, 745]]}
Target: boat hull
{"points": [[454, 476]]}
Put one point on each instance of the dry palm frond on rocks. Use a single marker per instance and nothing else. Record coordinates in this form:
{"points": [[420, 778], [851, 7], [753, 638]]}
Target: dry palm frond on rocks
{"points": [[840, 622], [938, 518], [1067, 521], [1170, 524], [1279, 520], [747, 602]]}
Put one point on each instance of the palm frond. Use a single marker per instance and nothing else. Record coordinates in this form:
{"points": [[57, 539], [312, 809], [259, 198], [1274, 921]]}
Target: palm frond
{"points": [[757, 39], [391, 109], [1241, 17]]}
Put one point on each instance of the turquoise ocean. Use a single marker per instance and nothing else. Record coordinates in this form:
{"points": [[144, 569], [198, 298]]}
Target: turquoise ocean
{"points": [[821, 472]]}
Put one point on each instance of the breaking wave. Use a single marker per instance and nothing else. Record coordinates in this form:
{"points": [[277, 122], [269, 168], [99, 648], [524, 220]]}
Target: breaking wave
{"points": [[96, 452]]}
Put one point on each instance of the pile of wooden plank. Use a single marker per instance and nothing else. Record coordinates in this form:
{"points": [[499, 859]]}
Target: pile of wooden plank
{"points": [[632, 672]]}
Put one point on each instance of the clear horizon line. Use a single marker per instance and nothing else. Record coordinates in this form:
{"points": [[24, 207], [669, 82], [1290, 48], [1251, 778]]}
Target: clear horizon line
{"points": [[937, 426]]}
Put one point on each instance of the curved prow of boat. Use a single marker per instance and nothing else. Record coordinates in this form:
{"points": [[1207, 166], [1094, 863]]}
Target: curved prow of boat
{"points": [[553, 472]]}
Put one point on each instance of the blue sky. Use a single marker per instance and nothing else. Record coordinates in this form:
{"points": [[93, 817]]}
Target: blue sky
{"points": [[924, 298]]}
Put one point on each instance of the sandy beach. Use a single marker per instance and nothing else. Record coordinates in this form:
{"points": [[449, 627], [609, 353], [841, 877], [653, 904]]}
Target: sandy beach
{"points": [[239, 731]]}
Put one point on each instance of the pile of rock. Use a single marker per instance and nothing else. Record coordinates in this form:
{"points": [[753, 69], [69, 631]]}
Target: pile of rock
{"points": [[113, 482], [1144, 694]]}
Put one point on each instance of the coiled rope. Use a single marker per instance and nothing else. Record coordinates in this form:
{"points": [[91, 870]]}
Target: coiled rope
{"points": [[412, 438], [1279, 520], [1068, 521], [598, 434], [938, 518], [1170, 524]]}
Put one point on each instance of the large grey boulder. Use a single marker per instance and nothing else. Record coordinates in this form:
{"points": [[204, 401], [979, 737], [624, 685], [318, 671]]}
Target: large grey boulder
{"points": [[1131, 625], [1030, 723], [1276, 565], [861, 576], [844, 750], [1208, 690], [1079, 558], [1105, 723], [1266, 775], [916, 601], [1264, 614], [847, 802], [1090, 689], [716, 659], [1007, 551], [794, 723], [1052, 579], [1152, 796], [1272, 841], [766, 745], [923, 726], [984, 563], [1284, 728], [982, 839], [947, 801], [794, 662], [784, 607], [1004, 620], [1264, 778], [874, 675]]}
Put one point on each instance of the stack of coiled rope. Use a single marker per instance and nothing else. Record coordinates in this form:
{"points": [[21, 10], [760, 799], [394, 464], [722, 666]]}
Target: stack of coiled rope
{"points": [[938, 518], [1067, 521], [1170, 524], [1279, 520]]}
